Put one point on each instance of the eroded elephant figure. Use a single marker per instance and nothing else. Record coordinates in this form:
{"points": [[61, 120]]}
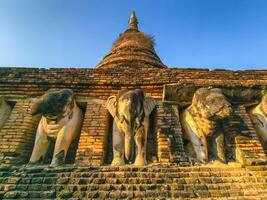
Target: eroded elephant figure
{"points": [[61, 123], [259, 118], [201, 121], [130, 110], [5, 111]]}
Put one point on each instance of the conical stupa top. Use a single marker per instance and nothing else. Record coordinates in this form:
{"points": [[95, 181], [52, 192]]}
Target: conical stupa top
{"points": [[133, 23], [133, 49]]}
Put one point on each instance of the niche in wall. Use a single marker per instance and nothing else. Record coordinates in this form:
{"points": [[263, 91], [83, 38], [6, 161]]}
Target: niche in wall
{"points": [[220, 126], [152, 144], [109, 146], [151, 139]]}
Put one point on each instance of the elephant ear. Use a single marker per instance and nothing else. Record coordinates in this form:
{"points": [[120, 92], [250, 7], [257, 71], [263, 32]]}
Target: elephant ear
{"points": [[111, 105], [38, 107], [149, 105]]}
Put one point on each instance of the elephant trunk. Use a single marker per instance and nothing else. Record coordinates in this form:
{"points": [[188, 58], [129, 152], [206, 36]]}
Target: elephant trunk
{"points": [[129, 145]]}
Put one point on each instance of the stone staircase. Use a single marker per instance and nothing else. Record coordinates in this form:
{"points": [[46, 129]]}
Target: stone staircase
{"points": [[151, 182]]}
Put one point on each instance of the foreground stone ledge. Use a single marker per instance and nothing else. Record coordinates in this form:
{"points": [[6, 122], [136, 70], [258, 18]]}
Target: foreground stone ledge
{"points": [[157, 181]]}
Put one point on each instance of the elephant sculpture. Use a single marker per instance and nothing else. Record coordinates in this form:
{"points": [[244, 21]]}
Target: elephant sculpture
{"points": [[130, 110], [200, 122], [60, 123], [5, 110], [259, 118]]}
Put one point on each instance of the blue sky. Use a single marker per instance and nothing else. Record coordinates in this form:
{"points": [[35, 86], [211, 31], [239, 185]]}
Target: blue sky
{"points": [[229, 34]]}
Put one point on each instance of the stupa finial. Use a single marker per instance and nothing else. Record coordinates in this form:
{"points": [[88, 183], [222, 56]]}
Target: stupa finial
{"points": [[133, 23]]}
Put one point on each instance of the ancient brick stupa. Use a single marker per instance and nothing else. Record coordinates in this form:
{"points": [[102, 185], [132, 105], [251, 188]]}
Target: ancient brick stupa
{"points": [[132, 49], [132, 128]]}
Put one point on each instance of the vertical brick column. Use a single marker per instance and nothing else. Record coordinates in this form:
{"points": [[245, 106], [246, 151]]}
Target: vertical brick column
{"points": [[18, 134], [169, 135], [93, 138], [243, 138]]}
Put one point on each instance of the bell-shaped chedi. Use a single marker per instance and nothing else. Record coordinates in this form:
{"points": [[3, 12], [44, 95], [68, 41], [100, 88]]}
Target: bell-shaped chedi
{"points": [[132, 49]]}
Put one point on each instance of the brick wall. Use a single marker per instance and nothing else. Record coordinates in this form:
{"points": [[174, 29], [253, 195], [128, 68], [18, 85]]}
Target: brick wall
{"points": [[101, 83], [17, 136]]}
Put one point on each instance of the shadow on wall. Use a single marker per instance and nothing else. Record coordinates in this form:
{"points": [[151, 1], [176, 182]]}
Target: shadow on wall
{"points": [[6, 108], [152, 145], [109, 146]]}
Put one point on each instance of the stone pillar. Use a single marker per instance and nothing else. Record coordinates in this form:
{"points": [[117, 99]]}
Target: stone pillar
{"points": [[92, 144], [243, 139], [169, 135], [18, 134]]}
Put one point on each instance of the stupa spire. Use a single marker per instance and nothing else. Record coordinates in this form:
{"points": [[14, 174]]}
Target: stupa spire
{"points": [[133, 23]]}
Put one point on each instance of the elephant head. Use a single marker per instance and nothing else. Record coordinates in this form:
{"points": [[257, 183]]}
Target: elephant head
{"points": [[211, 104], [54, 105], [129, 109]]}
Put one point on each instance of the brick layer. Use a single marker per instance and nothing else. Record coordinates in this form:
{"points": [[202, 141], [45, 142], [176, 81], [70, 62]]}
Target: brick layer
{"points": [[18, 134], [101, 83], [92, 144], [152, 182]]}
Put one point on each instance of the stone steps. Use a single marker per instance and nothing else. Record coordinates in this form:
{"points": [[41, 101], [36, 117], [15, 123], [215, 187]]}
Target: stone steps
{"points": [[139, 181], [141, 187], [233, 193], [133, 180], [173, 182]]}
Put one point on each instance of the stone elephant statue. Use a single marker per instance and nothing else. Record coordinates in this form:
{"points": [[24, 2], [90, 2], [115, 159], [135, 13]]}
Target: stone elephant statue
{"points": [[130, 110], [259, 117], [60, 123], [5, 110], [200, 122]]}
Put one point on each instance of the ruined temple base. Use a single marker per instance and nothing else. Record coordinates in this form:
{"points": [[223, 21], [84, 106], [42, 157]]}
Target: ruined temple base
{"points": [[152, 182]]}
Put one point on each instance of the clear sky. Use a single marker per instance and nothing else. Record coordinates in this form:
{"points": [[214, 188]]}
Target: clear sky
{"points": [[229, 34]]}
